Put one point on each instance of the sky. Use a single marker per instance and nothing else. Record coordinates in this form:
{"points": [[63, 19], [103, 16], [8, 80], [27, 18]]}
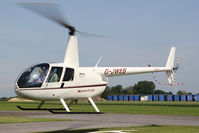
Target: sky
{"points": [[137, 33]]}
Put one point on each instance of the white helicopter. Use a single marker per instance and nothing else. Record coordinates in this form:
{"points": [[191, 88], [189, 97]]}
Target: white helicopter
{"points": [[67, 80]]}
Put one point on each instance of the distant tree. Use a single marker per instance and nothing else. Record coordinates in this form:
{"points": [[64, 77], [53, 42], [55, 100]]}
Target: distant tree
{"points": [[159, 92], [106, 92], [128, 90], [4, 99], [162, 92], [180, 93], [183, 93], [117, 90], [144, 87], [170, 93]]}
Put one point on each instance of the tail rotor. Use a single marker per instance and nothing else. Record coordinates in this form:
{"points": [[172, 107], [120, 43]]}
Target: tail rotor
{"points": [[179, 67], [174, 66]]}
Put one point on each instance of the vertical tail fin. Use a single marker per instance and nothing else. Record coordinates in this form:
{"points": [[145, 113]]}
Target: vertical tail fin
{"points": [[170, 64], [170, 61]]}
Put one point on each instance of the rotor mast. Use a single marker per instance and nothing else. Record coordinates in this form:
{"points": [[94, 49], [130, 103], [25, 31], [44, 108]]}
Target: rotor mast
{"points": [[71, 58]]}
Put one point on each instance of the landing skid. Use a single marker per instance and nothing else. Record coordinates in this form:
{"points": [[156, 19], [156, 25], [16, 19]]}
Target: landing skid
{"points": [[39, 108], [54, 112], [66, 108]]}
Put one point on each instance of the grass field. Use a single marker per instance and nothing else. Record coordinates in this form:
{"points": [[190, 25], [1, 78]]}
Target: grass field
{"points": [[138, 129], [153, 108], [156, 108]]}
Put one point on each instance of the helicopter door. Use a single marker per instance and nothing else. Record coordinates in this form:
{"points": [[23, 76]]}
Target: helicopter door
{"points": [[53, 80], [68, 77]]}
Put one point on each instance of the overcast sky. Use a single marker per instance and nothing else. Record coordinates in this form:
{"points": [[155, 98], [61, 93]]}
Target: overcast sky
{"points": [[138, 33]]}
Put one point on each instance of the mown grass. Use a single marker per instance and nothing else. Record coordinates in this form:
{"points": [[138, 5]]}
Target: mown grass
{"points": [[138, 129], [17, 119], [153, 108]]}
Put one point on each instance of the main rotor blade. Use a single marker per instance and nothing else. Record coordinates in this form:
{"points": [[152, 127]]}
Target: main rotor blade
{"points": [[49, 10], [89, 34]]}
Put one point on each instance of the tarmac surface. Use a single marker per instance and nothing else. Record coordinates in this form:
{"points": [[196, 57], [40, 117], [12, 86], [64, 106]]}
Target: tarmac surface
{"points": [[85, 121]]}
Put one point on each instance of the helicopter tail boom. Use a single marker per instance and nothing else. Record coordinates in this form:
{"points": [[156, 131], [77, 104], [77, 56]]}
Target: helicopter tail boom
{"points": [[120, 71]]}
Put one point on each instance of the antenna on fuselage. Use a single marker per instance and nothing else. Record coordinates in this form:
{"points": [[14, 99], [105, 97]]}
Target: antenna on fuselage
{"points": [[98, 62]]}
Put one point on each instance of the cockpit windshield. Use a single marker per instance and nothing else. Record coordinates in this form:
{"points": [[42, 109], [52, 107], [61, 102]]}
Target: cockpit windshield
{"points": [[33, 76]]}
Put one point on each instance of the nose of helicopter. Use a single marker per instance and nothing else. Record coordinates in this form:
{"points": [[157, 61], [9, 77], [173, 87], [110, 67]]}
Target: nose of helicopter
{"points": [[18, 92]]}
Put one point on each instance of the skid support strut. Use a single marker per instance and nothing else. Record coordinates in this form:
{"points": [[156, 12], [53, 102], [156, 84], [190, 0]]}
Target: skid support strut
{"points": [[41, 103], [92, 102], [71, 102], [64, 104]]}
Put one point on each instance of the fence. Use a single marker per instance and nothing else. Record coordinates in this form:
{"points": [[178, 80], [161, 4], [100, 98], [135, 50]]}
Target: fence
{"points": [[154, 98]]}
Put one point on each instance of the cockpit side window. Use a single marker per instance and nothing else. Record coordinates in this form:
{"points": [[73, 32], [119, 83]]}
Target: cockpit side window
{"points": [[69, 74], [55, 74]]}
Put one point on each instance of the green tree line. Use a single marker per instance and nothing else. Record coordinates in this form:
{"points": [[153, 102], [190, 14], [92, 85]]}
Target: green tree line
{"points": [[140, 88]]}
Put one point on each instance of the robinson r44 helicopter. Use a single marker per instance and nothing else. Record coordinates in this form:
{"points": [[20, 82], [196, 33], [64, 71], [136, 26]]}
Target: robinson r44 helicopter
{"points": [[67, 80]]}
